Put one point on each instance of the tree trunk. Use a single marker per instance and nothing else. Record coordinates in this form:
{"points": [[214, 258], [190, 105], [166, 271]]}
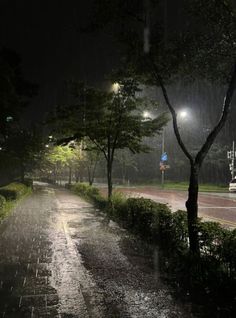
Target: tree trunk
{"points": [[70, 175], [77, 175], [22, 173], [191, 204], [93, 172], [123, 173], [109, 179], [192, 209], [55, 175], [89, 175]]}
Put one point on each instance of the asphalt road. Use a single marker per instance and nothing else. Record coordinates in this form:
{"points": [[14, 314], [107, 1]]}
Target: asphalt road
{"points": [[219, 207], [59, 257]]}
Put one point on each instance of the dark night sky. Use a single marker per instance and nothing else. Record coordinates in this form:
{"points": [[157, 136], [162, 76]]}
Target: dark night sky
{"points": [[46, 35]]}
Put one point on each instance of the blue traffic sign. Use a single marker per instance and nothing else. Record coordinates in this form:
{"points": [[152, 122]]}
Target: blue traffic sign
{"points": [[164, 157]]}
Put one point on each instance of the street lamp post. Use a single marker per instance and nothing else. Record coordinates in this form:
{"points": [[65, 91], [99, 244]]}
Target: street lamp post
{"points": [[163, 151]]}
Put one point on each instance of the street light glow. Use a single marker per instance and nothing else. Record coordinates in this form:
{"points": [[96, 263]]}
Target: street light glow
{"points": [[146, 114], [183, 114], [115, 87]]}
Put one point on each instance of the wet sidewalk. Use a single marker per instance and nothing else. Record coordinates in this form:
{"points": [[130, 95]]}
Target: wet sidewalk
{"points": [[61, 258], [25, 258]]}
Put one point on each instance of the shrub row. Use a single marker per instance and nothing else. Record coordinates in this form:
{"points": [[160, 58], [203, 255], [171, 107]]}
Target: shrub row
{"points": [[13, 191], [89, 193], [151, 220], [28, 182], [210, 276], [155, 221], [2, 202]]}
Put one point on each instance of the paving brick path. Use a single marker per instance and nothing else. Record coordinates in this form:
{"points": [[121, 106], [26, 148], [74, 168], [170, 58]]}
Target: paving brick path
{"points": [[25, 257], [28, 265], [59, 258]]}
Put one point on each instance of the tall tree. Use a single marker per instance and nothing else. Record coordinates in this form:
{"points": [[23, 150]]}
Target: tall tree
{"points": [[15, 91], [61, 157], [126, 161], [110, 121], [26, 147], [90, 159], [159, 48]]}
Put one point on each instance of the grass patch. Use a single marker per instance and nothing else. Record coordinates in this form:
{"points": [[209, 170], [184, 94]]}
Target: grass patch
{"points": [[183, 186], [8, 205]]}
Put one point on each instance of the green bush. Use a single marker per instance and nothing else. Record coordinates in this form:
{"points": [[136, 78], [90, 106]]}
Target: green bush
{"points": [[229, 253], [179, 231], [28, 182], [209, 277], [146, 217], [140, 215], [13, 191], [99, 201], [90, 193], [211, 237], [2, 202], [162, 223], [118, 207]]}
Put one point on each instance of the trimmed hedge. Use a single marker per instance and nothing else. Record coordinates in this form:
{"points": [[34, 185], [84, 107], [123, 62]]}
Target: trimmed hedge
{"points": [[151, 220], [28, 182], [13, 191], [210, 277], [2, 202], [90, 193]]}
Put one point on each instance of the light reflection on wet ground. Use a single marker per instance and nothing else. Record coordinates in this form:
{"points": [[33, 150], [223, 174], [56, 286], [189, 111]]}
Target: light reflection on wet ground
{"points": [[61, 258]]}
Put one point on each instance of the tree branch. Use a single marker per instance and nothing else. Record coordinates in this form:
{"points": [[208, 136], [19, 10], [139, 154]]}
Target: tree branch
{"points": [[99, 147], [172, 111], [224, 115]]}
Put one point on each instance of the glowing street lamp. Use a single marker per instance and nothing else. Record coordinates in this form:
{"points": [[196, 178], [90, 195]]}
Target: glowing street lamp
{"points": [[115, 87], [146, 115], [183, 114]]}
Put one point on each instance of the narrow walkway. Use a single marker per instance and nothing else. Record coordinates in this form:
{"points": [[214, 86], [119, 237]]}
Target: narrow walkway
{"points": [[61, 258]]}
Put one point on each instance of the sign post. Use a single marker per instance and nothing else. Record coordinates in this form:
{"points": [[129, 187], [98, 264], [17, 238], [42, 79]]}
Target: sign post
{"points": [[231, 155], [163, 167], [163, 161]]}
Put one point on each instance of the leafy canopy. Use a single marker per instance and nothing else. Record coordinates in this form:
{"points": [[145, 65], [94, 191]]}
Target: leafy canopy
{"points": [[110, 120]]}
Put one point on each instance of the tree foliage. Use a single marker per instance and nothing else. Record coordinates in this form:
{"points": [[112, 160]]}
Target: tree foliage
{"points": [[15, 91], [157, 51], [110, 121], [201, 44], [26, 148]]}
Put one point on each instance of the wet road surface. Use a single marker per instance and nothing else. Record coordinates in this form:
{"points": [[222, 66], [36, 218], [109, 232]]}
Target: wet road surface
{"points": [[219, 207], [61, 258]]}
